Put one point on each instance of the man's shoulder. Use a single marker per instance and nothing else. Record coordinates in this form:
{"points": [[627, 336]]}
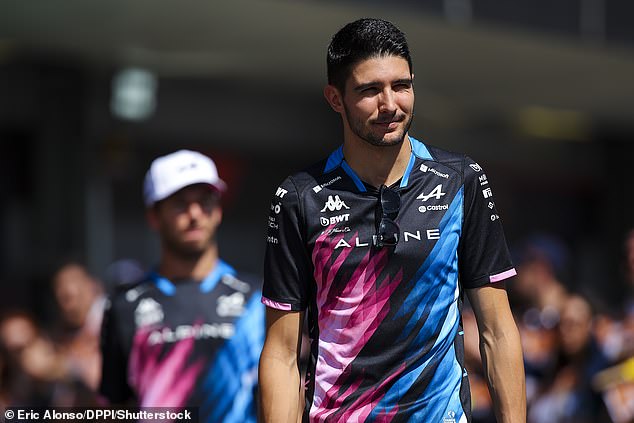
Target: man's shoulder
{"points": [[444, 156], [126, 297], [247, 283], [306, 179]]}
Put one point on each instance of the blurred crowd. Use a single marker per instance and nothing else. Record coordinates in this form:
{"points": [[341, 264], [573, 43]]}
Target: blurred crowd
{"points": [[58, 363], [578, 353]]}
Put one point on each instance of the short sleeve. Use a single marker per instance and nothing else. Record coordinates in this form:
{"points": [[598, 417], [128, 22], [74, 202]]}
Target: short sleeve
{"points": [[483, 253], [286, 265], [114, 381]]}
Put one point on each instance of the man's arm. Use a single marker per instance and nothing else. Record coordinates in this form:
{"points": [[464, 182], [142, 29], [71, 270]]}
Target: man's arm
{"points": [[501, 352], [279, 376]]}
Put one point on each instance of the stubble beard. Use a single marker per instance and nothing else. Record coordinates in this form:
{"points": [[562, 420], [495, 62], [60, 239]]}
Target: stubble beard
{"points": [[360, 129], [185, 251]]}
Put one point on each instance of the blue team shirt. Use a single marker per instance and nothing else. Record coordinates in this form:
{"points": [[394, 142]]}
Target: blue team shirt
{"points": [[186, 344], [384, 323]]}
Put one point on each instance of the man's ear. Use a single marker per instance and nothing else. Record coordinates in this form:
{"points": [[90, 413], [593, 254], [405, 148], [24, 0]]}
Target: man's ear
{"points": [[334, 98]]}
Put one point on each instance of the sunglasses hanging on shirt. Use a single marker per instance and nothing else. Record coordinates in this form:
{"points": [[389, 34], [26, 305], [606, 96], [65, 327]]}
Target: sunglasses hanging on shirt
{"points": [[388, 231]]}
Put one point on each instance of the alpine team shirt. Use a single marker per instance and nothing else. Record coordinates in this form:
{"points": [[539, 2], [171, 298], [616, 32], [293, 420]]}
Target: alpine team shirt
{"points": [[186, 344], [384, 323]]}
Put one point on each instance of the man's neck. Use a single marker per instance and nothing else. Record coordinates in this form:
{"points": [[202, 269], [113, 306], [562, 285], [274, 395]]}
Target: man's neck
{"points": [[174, 266], [377, 165]]}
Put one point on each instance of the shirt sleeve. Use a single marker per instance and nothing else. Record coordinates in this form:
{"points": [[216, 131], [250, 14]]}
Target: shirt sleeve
{"points": [[483, 253], [114, 381], [286, 264]]}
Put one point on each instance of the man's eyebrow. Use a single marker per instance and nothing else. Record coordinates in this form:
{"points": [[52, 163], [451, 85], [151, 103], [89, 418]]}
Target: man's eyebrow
{"points": [[408, 81]]}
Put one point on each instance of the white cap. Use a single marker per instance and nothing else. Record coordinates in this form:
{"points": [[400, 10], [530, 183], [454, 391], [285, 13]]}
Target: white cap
{"points": [[175, 171]]}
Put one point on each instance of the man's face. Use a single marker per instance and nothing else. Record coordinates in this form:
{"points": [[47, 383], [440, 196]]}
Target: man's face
{"points": [[187, 220], [75, 291], [575, 325], [378, 102]]}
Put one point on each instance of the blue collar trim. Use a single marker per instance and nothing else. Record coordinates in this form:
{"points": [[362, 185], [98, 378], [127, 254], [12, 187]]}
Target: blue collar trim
{"points": [[419, 149], [336, 159], [211, 280]]}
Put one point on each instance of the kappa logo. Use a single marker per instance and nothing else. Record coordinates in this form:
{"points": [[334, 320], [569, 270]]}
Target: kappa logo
{"points": [[230, 305], [334, 204], [436, 193], [148, 312]]}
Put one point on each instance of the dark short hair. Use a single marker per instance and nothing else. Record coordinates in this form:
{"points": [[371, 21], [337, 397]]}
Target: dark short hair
{"points": [[361, 40]]}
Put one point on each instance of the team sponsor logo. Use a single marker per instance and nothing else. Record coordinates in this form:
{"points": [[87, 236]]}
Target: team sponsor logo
{"points": [[322, 186], [148, 312], [494, 217], [334, 203], [182, 332], [230, 305], [235, 283], [273, 223], [425, 168], [281, 192], [433, 233], [272, 240], [487, 193], [131, 295], [336, 230], [483, 179], [424, 209], [429, 234], [491, 205], [327, 221], [276, 208], [451, 417], [475, 167], [436, 193]]}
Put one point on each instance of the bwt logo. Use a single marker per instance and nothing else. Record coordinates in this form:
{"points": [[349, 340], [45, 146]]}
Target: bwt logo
{"points": [[325, 221], [334, 204]]}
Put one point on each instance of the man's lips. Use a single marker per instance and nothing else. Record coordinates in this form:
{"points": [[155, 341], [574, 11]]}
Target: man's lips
{"points": [[393, 120], [389, 125]]}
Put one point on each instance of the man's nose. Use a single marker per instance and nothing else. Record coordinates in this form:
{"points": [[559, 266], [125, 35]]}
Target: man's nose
{"points": [[195, 209], [387, 101]]}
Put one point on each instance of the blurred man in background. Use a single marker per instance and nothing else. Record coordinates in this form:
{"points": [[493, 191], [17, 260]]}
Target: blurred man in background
{"points": [[566, 394], [190, 333], [80, 299], [35, 372]]}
